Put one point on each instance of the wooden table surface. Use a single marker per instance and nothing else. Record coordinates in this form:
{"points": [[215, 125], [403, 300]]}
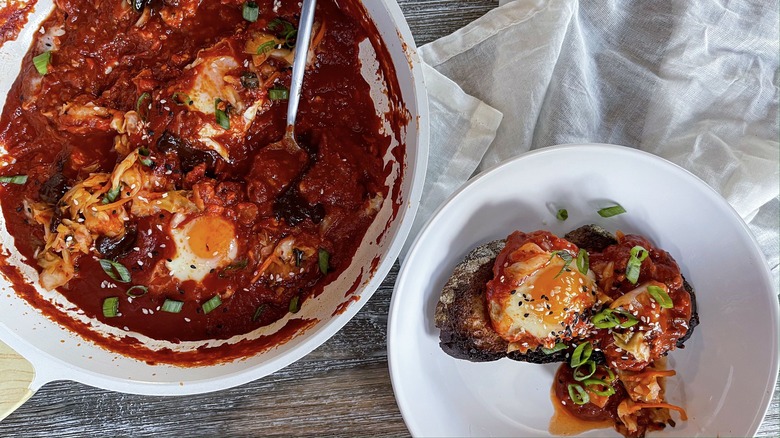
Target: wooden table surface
{"points": [[340, 389]]}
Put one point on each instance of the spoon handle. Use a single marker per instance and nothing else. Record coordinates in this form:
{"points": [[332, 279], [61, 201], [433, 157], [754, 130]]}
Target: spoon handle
{"points": [[301, 55]]}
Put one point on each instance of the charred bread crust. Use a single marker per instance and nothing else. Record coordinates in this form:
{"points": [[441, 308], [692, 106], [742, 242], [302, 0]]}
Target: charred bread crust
{"points": [[462, 317]]}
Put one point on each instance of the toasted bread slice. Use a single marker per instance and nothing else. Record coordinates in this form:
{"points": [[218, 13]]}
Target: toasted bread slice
{"points": [[466, 331]]}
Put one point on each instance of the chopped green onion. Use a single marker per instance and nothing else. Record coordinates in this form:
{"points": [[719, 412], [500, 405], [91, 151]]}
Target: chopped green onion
{"points": [[241, 264], [583, 261], [611, 211], [211, 304], [278, 93], [251, 11], [41, 62], [324, 261], [581, 354], [16, 179], [110, 307], [266, 47], [143, 154], [557, 347], [287, 32], [294, 305], [567, 259], [592, 384], [298, 254], [611, 377], [145, 95], [177, 101], [143, 290], [630, 319], [172, 306], [591, 370], [258, 312], [112, 195], [146, 162], [138, 5], [562, 214], [638, 254], [660, 296], [604, 319], [577, 394], [222, 119], [115, 270]]}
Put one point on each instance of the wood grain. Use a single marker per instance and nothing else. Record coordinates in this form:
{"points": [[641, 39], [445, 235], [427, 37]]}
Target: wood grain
{"points": [[340, 389], [17, 374]]}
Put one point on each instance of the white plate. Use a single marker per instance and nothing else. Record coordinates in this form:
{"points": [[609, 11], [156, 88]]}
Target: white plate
{"points": [[726, 373]]}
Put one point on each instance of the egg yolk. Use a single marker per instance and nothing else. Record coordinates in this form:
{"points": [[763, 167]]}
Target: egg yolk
{"points": [[210, 236]]}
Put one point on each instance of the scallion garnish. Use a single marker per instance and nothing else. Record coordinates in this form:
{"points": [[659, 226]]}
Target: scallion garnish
{"points": [[143, 290], [211, 304], [567, 259], [287, 31], [562, 214], [638, 254], [557, 347], [258, 312], [16, 179], [172, 306], [266, 47], [115, 270], [41, 62], [593, 384], [660, 296], [222, 118], [581, 354], [143, 154], [298, 255], [323, 258], [611, 377], [180, 98], [630, 319], [583, 261], [251, 11], [612, 211], [604, 319], [278, 93], [294, 304], [112, 195], [241, 264], [584, 371], [145, 95], [110, 307], [577, 394]]}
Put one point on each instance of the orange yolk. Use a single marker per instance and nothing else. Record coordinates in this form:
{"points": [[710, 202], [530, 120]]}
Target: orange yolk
{"points": [[210, 236]]}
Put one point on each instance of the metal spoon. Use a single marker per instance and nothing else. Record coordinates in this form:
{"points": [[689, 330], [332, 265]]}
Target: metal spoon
{"points": [[299, 68]]}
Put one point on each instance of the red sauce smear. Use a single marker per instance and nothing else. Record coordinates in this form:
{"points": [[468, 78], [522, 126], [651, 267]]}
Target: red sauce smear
{"points": [[13, 17]]}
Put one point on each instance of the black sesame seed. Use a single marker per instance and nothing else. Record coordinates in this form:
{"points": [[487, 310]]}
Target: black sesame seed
{"points": [[181, 291], [211, 271], [544, 297], [197, 310], [19, 208], [512, 292], [526, 315], [519, 303], [162, 216], [192, 266], [565, 309], [169, 260], [219, 326], [224, 309]]}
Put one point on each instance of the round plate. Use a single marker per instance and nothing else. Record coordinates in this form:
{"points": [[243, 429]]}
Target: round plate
{"points": [[725, 374]]}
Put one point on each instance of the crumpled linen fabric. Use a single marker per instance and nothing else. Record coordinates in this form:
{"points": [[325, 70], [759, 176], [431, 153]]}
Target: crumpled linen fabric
{"points": [[693, 82]]}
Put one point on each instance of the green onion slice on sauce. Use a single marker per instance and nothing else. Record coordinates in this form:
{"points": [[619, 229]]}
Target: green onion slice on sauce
{"points": [[638, 254], [557, 347], [180, 98], [172, 306], [16, 179], [115, 270], [143, 157], [594, 384], [605, 319], [583, 261], [221, 116], [258, 312], [585, 371], [298, 255], [660, 296], [581, 354], [211, 304], [323, 258], [562, 214], [611, 374], [112, 195], [41, 62], [567, 259], [295, 304], [630, 319], [251, 11], [236, 266], [278, 93], [287, 31], [266, 47], [110, 307], [577, 394], [142, 291], [612, 211]]}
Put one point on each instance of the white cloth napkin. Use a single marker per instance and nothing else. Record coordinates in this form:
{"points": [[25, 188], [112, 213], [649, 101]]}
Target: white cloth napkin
{"points": [[693, 82]]}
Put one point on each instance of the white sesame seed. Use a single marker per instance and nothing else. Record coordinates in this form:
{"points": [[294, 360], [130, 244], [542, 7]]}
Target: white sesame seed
{"points": [[140, 263], [187, 320]]}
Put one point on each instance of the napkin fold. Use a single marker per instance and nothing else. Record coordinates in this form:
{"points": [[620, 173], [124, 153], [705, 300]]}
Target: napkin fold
{"points": [[693, 82]]}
